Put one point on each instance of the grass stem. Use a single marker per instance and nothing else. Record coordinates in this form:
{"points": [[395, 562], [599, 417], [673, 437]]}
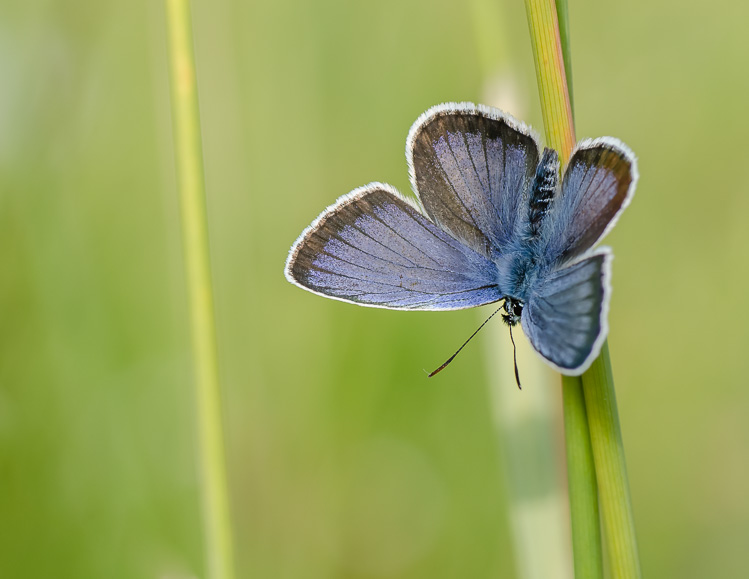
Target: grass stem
{"points": [[564, 38], [581, 479], [189, 161], [551, 76], [611, 469], [590, 401]]}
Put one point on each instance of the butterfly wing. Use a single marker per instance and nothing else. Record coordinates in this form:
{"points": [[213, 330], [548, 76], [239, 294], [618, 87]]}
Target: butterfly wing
{"points": [[374, 248], [565, 315], [598, 184], [470, 167]]}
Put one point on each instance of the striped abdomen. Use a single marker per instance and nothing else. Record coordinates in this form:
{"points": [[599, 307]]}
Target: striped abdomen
{"points": [[542, 191]]}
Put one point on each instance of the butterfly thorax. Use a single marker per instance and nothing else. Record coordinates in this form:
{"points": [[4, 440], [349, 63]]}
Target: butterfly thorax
{"points": [[520, 266], [518, 272]]}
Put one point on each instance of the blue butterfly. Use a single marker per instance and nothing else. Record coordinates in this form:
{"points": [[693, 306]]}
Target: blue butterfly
{"points": [[494, 223]]}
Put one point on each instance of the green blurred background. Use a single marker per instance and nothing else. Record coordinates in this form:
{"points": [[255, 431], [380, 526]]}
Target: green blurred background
{"points": [[344, 461]]}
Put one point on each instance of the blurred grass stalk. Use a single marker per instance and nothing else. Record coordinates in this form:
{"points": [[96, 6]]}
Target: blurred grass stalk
{"points": [[527, 429], [190, 179], [553, 83], [525, 422], [589, 401]]}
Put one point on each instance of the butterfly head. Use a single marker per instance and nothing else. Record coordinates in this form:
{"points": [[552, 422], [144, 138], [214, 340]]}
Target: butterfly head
{"points": [[513, 310]]}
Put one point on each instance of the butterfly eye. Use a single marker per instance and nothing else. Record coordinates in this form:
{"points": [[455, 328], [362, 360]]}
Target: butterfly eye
{"points": [[517, 309]]}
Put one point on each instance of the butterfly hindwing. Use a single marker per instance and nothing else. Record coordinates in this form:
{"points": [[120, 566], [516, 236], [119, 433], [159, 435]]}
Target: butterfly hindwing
{"points": [[565, 314], [471, 167], [374, 248]]}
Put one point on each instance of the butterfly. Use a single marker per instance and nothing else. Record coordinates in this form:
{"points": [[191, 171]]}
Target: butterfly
{"points": [[494, 221]]}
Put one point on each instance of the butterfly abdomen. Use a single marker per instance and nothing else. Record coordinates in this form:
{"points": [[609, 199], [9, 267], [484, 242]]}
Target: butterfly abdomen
{"points": [[542, 190]]}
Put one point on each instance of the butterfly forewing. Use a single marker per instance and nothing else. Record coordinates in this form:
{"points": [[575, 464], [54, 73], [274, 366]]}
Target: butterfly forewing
{"points": [[565, 315], [374, 248], [598, 184], [471, 166]]}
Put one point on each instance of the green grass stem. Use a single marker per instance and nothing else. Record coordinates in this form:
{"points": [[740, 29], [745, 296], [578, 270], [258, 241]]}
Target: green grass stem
{"points": [[551, 76], [611, 469], [189, 161], [592, 395], [564, 38], [582, 483]]}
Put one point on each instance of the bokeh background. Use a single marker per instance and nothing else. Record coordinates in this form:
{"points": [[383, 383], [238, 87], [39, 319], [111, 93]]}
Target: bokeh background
{"points": [[344, 460]]}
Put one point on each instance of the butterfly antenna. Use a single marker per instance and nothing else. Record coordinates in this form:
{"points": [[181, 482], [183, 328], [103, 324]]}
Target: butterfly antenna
{"points": [[451, 358], [515, 359]]}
